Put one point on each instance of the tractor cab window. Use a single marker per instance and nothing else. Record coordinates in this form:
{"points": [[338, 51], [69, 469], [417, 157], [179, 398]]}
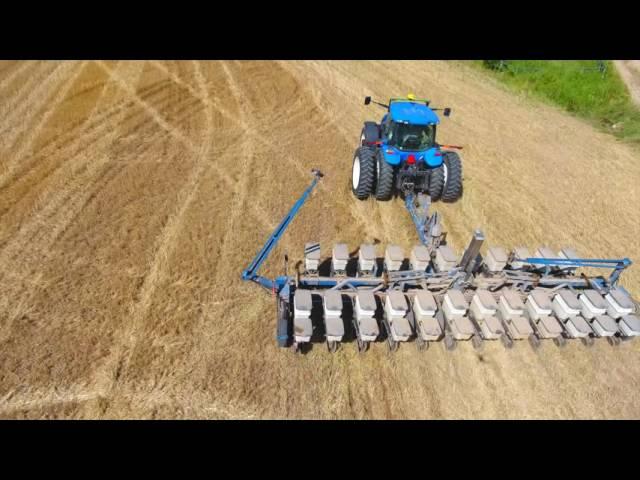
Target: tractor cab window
{"points": [[411, 137]]}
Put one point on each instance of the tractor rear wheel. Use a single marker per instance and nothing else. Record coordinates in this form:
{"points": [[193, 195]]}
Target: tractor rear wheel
{"points": [[452, 190], [385, 178], [436, 183], [363, 172]]}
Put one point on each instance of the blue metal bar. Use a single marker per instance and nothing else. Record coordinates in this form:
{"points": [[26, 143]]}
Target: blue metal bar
{"points": [[329, 282], [250, 273], [419, 218], [618, 265], [263, 281], [578, 262]]}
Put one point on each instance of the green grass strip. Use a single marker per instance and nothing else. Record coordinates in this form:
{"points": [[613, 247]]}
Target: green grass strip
{"points": [[589, 89]]}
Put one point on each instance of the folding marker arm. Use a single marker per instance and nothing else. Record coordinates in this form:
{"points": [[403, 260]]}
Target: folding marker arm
{"points": [[617, 265], [250, 273]]}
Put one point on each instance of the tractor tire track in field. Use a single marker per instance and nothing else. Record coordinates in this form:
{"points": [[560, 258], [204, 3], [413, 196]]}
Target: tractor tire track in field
{"points": [[6, 81], [34, 131], [275, 149], [62, 174], [193, 405], [244, 167], [30, 112], [245, 148], [50, 203], [361, 211], [39, 98], [28, 89], [101, 122], [293, 162], [102, 184], [58, 210], [93, 135], [107, 377], [153, 112], [157, 117], [260, 214], [12, 403]]}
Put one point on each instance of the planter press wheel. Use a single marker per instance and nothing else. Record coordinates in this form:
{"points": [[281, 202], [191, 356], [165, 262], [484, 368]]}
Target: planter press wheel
{"points": [[506, 341], [449, 342], [588, 341], [477, 342], [332, 346], [535, 342], [393, 345], [560, 341], [614, 341], [362, 345]]}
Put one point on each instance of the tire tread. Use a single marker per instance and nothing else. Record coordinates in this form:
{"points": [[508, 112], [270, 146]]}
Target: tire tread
{"points": [[367, 172]]}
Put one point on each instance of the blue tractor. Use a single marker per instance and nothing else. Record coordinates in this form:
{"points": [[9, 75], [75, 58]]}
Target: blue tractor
{"points": [[401, 155]]}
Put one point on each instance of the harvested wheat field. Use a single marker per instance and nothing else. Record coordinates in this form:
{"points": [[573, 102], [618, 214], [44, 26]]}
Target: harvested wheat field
{"points": [[133, 194]]}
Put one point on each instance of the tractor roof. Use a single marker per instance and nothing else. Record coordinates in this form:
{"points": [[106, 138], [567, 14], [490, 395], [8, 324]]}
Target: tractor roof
{"points": [[412, 112]]}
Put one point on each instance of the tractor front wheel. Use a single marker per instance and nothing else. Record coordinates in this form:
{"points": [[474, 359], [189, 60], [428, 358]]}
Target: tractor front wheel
{"points": [[363, 172], [370, 133], [452, 190], [385, 178]]}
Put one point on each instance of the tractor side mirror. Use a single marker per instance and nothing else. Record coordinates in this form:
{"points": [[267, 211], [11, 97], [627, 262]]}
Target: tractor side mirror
{"points": [[367, 100], [446, 112]]}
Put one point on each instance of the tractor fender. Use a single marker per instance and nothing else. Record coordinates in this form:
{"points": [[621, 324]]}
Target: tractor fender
{"points": [[371, 132], [433, 157], [391, 156]]}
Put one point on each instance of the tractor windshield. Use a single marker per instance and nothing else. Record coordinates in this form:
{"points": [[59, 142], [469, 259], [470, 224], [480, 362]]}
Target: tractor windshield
{"points": [[411, 137]]}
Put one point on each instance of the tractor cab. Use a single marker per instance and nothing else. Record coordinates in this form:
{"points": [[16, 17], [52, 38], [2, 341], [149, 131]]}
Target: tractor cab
{"points": [[408, 132], [409, 126], [406, 136]]}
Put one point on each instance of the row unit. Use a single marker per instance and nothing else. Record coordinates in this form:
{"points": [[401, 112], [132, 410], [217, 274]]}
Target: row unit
{"points": [[445, 259], [394, 256], [548, 314]]}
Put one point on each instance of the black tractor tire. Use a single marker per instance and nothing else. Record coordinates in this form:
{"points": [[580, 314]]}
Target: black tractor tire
{"points": [[436, 183], [384, 178], [283, 326], [452, 190], [370, 133], [363, 172]]}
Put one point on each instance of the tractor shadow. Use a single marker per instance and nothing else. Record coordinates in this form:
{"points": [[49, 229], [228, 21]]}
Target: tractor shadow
{"points": [[324, 268]]}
